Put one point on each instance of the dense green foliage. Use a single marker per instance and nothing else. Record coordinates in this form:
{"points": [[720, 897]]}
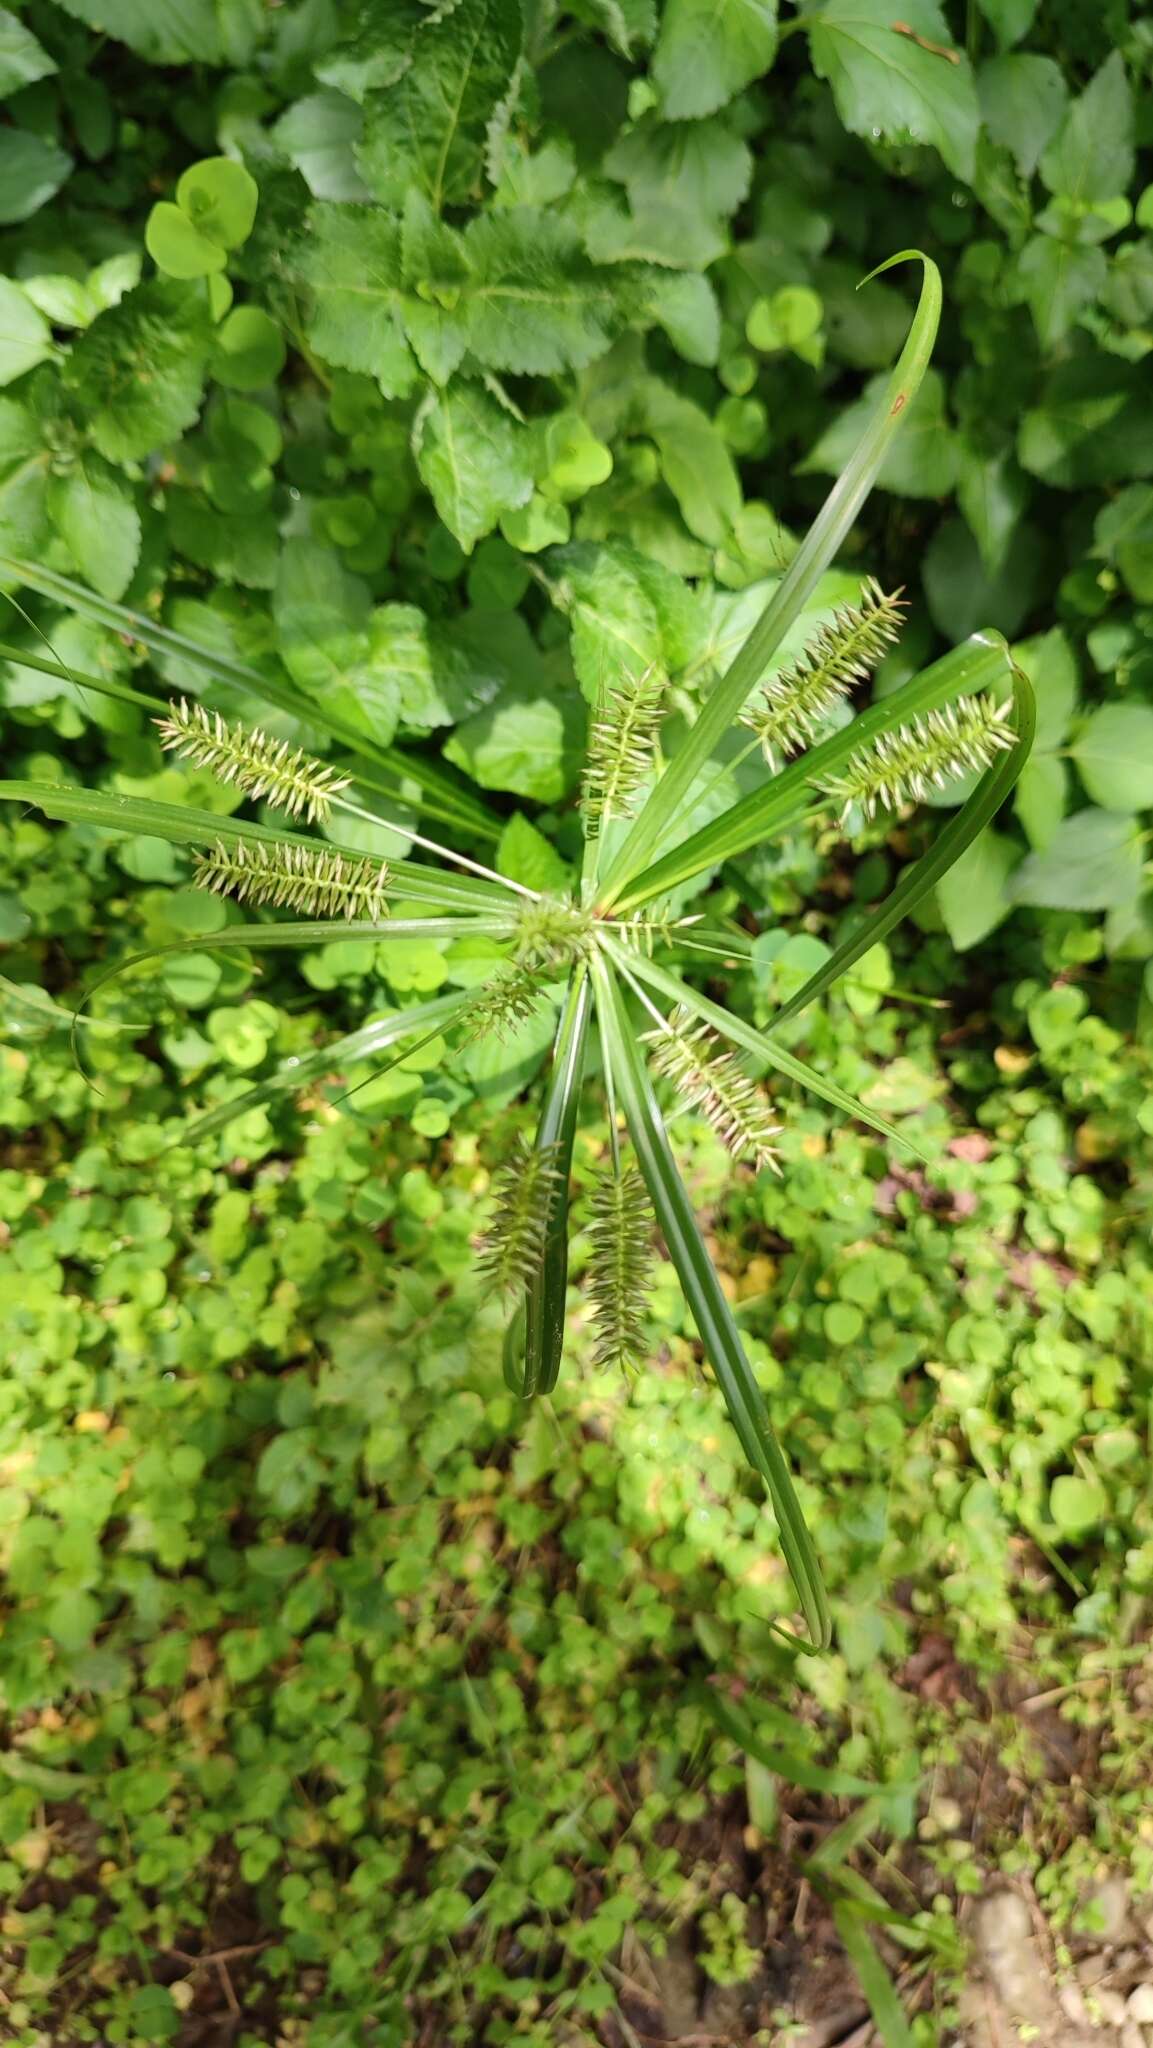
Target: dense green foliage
{"points": [[439, 363]]}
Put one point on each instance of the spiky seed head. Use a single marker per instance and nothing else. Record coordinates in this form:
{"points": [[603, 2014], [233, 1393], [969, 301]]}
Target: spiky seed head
{"points": [[315, 881], [524, 1191], [710, 1081], [620, 1268], [551, 932], [904, 765], [621, 746], [261, 766], [847, 648], [508, 1000]]}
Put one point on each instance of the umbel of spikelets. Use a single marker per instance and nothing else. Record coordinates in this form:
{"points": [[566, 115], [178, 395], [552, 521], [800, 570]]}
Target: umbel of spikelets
{"points": [[710, 1081], [261, 766], [793, 705], [904, 765], [312, 880]]}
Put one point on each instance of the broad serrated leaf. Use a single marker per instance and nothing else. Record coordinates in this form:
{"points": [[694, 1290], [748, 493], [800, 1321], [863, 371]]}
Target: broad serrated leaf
{"points": [[1114, 756], [972, 897], [535, 302], [531, 745], [350, 261], [695, 460], [922, 461], [705, 168], [138, 371], [23, 478], [626, 614], [898, 77], [1022, 100], [1091, 424], [1091, 862], [176, 31], [474, 459], [25, 336], [707, 50], [322, 616], [427, 129], [22, 59], [319, 134], [32, 170], [94, 511], [1057, 280], [1091, 155]]}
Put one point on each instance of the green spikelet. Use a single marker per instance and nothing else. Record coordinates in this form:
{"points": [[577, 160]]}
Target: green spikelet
{"points": [[259, 765], [550, 934], [620, 1268], [621, 743], [509, 999], [523, 1190], [716, 1085], [902, 766], [794, 704], [313, 880]]}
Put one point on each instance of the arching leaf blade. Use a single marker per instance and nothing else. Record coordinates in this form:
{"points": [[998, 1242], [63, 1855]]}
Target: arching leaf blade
{"points": [[658, 816], [706, 1300]]}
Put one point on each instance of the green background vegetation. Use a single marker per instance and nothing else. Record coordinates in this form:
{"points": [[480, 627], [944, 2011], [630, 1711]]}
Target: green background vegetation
{"points": [[316, 1647]]}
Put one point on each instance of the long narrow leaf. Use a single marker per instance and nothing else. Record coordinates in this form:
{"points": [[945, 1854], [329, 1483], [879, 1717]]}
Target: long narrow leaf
{"points": [[186, 825], [442, 796], [706, 1300], [975, 813], [349, 1051], [545, 1303], [981, 663], [795, 1769], [104, 686], [314, 932], [875, 1981], [754, 1041], [793, 591]]}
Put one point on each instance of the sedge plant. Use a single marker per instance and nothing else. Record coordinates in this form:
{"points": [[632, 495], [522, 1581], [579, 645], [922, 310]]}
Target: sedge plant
{"points": [[606, 945]]}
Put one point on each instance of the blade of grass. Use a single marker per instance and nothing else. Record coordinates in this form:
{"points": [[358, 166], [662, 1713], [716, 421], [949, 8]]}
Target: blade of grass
{"points": [[875, 1981], [104, 686], [443, 796], [706, 1300], [349, 1051], [754, 1041], [186, 825], [658, 816], [512, 1353], [981, 663], [975, 813], [545, 1301], [794, 1769]]}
